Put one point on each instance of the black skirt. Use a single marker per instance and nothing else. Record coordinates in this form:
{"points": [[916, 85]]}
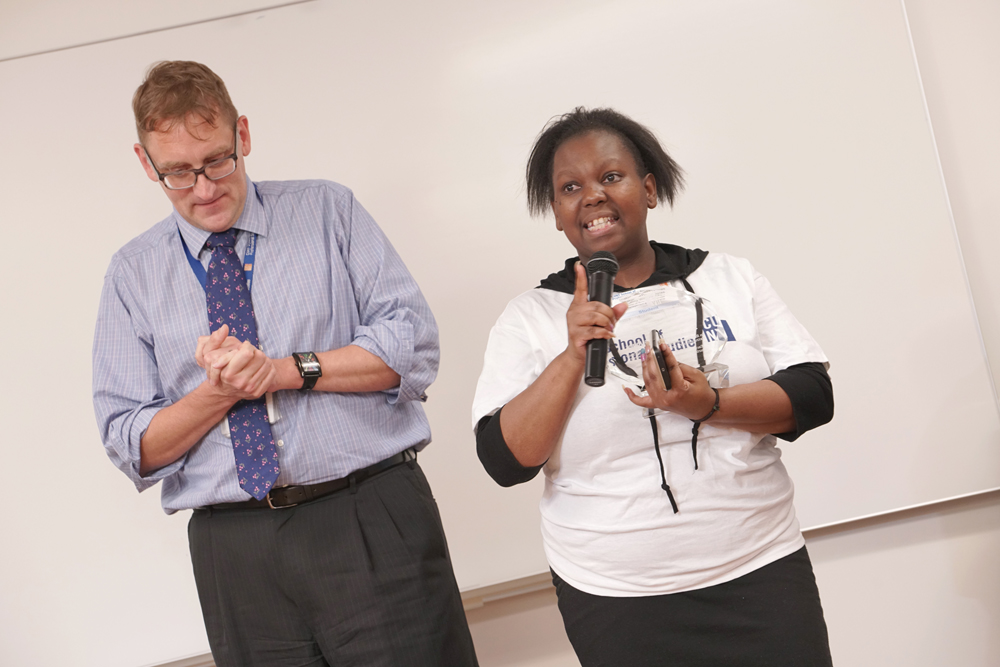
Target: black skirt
{"points": [[771, 617]]}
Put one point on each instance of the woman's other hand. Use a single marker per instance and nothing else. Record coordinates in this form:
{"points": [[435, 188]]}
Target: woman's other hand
{"points": [[689, 394], [757, 407]]}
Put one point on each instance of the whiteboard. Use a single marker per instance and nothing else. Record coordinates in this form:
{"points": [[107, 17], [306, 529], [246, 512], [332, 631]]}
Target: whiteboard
{"points": [[802, 130]]}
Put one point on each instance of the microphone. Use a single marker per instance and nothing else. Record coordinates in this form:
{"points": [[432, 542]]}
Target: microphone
{"points": [[601, 269]]}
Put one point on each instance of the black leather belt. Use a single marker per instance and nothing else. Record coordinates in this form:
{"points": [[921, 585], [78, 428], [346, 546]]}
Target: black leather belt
{"points": [[281, 497]]}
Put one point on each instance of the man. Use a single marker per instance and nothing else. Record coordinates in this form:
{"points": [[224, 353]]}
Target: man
{"points": [[264, 352]]}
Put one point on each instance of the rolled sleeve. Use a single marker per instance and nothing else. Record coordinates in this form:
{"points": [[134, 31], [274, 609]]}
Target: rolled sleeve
{"points": [[396, 323], [797, 363], [126, 389], [510, 365], [496, 457], [810, 390]]}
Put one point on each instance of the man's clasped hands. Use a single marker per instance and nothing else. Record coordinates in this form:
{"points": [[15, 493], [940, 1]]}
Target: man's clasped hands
{"points": [[235, 368]]}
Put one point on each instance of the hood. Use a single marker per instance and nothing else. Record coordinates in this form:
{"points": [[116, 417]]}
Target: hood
{"points": [[672, 263]]}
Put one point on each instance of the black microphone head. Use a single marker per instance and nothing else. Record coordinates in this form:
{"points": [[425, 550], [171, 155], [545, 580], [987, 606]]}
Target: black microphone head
{"points": [[602, 261]]}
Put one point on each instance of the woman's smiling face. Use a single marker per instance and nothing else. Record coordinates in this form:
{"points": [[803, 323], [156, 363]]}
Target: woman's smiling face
{"points": [[600, 199]]}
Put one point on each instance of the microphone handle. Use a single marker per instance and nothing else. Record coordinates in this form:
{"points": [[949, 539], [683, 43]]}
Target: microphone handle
{"points": [[597, 361], [600, 288]]}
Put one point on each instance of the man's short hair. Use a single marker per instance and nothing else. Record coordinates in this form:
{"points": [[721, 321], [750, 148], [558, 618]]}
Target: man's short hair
{"points": [[173, 89]]}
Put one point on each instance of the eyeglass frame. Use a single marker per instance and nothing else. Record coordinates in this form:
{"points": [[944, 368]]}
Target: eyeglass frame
{"points": [[234, 156]]}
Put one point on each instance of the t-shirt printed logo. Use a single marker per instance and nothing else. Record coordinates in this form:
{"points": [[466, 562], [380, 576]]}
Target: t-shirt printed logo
{"points": [[711, 328], [632, 349]]}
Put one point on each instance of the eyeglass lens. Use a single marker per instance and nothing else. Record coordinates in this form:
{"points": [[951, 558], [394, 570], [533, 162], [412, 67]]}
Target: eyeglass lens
{"points": [[213, 171]]}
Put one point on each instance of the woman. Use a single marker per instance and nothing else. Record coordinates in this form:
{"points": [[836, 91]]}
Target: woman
{"points": [[714, 571]]}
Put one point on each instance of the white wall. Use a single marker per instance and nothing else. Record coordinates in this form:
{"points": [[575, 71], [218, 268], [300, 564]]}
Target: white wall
{"points": [[30, 28], [920, 589]]}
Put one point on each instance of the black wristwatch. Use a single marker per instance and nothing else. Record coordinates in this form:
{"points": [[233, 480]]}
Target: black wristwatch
{"points": [[309, 369]]}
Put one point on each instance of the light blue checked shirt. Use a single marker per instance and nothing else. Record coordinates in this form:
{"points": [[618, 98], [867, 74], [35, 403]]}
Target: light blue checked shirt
{"points": [[325, 276]]}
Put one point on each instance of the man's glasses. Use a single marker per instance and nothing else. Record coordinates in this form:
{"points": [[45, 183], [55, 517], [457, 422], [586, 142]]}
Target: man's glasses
{"points": [[213, 171]]}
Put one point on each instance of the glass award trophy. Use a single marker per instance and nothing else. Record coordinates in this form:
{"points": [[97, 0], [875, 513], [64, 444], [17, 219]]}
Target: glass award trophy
{"points": [[686, 322]]}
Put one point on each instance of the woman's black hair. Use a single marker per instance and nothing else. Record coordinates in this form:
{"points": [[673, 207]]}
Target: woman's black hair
{"points": [[649, 156]]}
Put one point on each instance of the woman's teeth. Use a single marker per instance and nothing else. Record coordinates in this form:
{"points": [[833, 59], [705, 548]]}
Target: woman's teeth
{"points": [[599, 223]]}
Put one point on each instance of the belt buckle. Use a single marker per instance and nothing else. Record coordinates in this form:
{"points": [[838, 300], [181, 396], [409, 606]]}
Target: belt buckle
{"points": [[278, 507]]}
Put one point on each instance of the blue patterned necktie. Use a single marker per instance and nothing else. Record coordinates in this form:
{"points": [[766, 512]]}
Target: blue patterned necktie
{"points": [[229, 303]]}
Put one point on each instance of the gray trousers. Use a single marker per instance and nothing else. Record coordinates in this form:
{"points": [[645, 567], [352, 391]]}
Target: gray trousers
{"points": [[360, 577]]}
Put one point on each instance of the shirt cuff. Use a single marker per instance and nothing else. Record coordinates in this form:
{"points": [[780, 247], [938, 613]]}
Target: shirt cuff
{"points": [[810, 390], [133, 430], [394, 346], [496, 456]]}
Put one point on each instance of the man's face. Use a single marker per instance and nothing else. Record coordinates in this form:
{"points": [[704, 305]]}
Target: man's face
{"points": [[192, 143]]}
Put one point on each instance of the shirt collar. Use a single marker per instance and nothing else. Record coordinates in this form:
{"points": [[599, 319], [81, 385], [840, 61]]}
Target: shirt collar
{"points": [[251, 220]]}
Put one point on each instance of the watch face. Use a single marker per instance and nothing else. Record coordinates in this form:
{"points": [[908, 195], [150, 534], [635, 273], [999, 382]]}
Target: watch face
{"points": [[309, 363]]}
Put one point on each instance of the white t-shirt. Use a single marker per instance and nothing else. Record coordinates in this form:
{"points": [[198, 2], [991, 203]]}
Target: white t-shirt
{"points": [[607, 525]]}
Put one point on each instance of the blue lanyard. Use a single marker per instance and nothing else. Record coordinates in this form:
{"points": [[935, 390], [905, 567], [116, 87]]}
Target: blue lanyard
{"points": [[248, 257]]}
